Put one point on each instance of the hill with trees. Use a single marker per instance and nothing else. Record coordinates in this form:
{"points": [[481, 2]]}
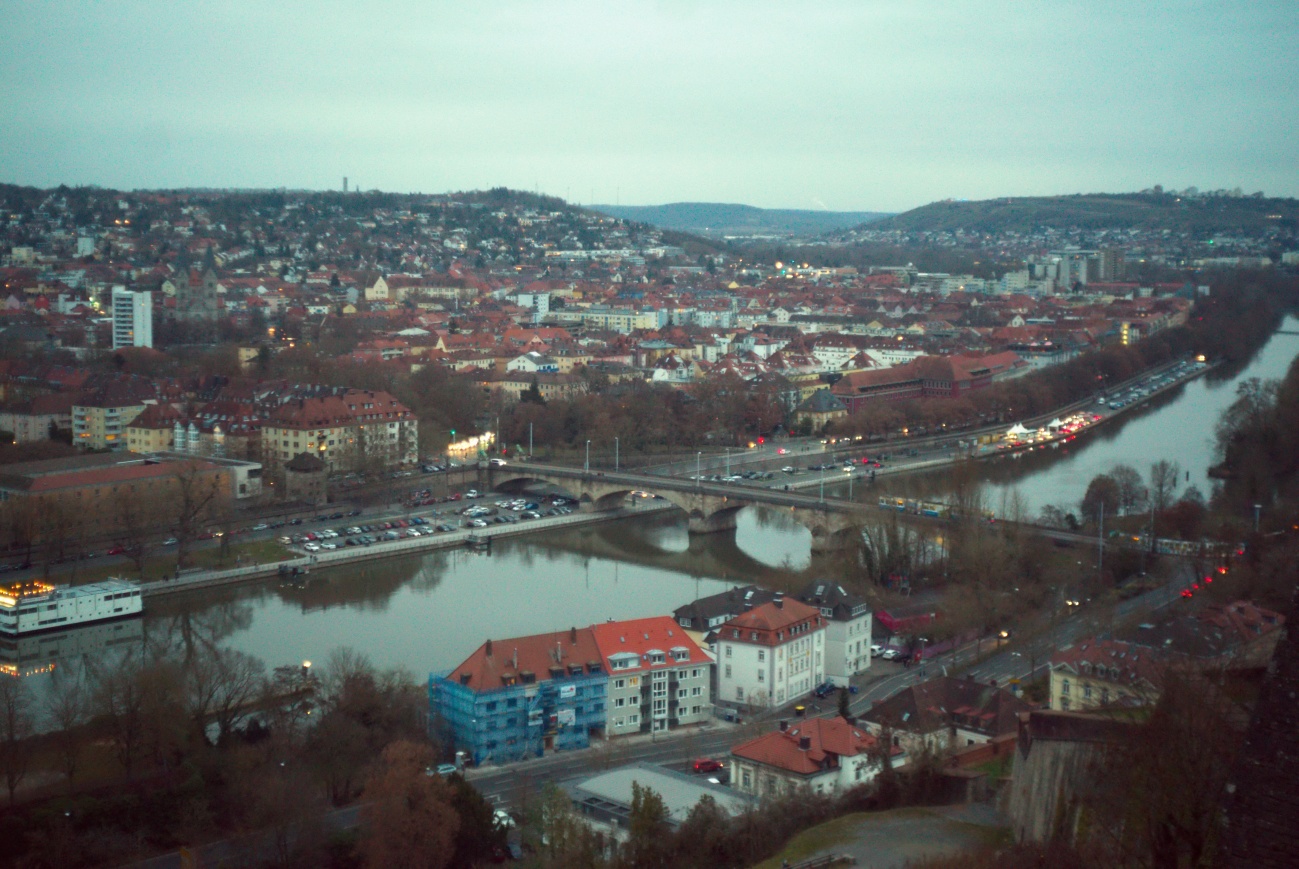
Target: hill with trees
{"points": [[720, 219], [1153, 209]]}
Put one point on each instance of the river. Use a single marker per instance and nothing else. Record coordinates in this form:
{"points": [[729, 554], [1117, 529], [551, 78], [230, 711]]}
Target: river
{"points": [[427, 613]]}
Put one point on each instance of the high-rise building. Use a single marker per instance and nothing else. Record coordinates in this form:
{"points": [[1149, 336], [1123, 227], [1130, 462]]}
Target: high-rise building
{"points": [[132, 318]]}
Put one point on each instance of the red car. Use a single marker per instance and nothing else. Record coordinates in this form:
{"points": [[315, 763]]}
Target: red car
{"points": [[117, 550], [707, 764]]}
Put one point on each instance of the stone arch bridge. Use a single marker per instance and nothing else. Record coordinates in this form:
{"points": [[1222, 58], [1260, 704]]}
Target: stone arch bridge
{"points": [[709, 507]]}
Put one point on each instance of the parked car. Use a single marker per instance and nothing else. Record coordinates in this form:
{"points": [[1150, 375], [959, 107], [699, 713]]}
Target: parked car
{"points": [[707, 764], [825, 689]]}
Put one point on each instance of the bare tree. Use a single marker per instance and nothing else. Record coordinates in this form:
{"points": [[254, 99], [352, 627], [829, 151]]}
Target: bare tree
{"points": [[16, 725], [1164, 477], [67, 707], [1132, 492], [197, 494], [219, 688], [137, 520], [118, 697]]}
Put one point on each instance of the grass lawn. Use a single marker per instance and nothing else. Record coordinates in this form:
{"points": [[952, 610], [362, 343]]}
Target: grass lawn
{"points": [[895, 837], [819, 838], [208, 557]]}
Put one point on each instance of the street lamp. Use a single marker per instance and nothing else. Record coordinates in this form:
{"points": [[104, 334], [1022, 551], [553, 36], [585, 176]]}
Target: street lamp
{"points": [[615, 454], [586, 465], [1257, 507], [728, 461], [698, 456]]}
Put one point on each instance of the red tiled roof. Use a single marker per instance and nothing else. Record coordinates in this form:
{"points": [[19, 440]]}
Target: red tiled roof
{"points": [[828, 739], [498, 662], [658, 633]]}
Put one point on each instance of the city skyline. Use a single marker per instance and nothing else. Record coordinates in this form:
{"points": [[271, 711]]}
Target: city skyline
{"points": [[867, 106]]}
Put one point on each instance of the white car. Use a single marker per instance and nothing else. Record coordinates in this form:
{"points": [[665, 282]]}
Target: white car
{"points": [[311, 547]]}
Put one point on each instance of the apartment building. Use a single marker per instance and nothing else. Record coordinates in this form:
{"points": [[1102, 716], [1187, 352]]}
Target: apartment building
{"points": [[659, 678], [771, 654], [348, 430]]}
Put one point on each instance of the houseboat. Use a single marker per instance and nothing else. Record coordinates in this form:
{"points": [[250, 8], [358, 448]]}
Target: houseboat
{"points": [[30, 605]]}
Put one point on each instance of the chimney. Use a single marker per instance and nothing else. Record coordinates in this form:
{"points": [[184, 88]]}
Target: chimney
{"points": [[779, 602], [516, 658], [804, 743], [489, 648], [784, 725], [572, 635]]}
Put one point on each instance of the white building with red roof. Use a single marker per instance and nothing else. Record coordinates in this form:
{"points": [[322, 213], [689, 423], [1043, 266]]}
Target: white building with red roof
{"points": [[771, 654], [820, 754], [659, 678]]}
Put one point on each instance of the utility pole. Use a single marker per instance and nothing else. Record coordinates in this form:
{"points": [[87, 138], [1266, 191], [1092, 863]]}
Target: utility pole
{"points": [[698, 456], [529, 440], [586, 465], [728, 471], [615, 454], [1257, 507]]}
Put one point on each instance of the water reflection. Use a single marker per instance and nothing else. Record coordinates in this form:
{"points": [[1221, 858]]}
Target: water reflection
{"points": [[1177, 426]]}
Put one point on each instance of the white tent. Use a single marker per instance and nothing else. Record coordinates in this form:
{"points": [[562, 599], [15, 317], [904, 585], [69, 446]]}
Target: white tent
{"points": [[1055, 423], [1016, 430]]}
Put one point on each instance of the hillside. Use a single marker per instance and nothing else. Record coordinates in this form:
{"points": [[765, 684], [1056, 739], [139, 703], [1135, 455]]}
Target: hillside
{"points": [[719, 219], [1141, 211]]}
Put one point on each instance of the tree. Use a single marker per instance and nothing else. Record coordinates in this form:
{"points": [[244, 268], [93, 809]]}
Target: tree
{"points": [[1164, 477], [137, 520], [196, 495], [845, 711], [67, 704], [532, 395], [409, 820], [1132, 492], [219, 687], [1102, 494], [647, 829], [16, 726], [478, 833]]}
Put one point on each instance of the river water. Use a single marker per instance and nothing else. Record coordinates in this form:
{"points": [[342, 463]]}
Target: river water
{"points": [[427, 613]]}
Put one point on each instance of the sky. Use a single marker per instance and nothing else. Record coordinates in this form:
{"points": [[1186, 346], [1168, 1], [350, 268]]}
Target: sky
{"points": [[876, 105]]}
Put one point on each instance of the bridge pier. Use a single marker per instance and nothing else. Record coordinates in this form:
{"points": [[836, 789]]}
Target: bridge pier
{"points": [[722, 520]]}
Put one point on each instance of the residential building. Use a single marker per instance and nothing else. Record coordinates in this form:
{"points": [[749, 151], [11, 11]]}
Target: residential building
{"points": [[771, 654], [823, 755], [348, 430], [519, 697], [132, 318], [946, 713], [532, 362], [820, 409], [847, 632], [659, 677], [31, 420], [706, 614], [1101, 672], [100, 418]]}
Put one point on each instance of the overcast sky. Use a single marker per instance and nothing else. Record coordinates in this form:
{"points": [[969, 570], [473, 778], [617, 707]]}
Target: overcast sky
{"points": [[862, 105]]}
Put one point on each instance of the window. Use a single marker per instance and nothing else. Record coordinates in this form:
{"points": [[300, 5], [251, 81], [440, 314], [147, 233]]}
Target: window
{"points": [[620, 683], [728, 651], [728, 671], [1087, 692], [618, 702], [1064, 687], [762, 675], [762, 655], [1064, 703], [633, 719]]}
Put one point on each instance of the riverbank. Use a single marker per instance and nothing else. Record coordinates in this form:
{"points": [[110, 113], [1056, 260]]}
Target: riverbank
{"points": [[459, 539]]}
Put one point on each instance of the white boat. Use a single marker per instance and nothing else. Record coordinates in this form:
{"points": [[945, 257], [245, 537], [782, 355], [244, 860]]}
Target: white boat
{"points": [[30, 605]]}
